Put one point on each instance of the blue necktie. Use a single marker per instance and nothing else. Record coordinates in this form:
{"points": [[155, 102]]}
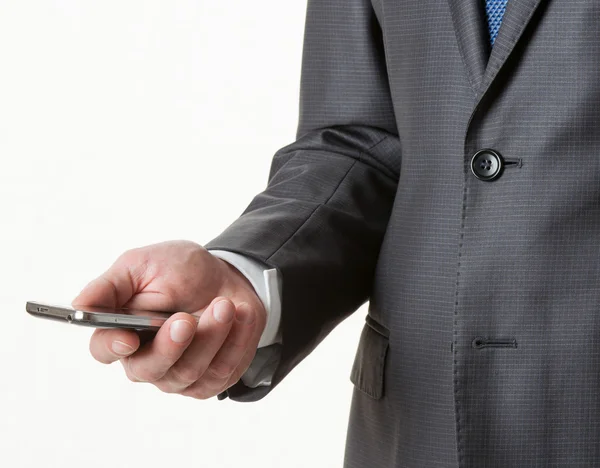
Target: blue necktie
{"points": [[494, 10]]}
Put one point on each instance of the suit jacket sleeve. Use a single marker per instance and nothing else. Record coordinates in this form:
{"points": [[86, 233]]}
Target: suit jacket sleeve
{"points": [[321, 219]]}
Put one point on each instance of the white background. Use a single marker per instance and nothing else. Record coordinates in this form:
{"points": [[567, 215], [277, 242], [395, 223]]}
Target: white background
{"points": [[124, 124]]}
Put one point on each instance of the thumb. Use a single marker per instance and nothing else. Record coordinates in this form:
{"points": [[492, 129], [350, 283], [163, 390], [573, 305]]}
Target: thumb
{"points": [[112, 289]]}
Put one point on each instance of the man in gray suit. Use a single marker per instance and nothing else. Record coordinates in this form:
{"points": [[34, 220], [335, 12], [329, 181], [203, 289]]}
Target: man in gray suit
{"points": [[447, 169]]}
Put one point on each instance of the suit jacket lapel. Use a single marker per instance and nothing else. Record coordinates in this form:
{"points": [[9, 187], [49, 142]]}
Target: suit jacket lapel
{"points": [[470, 24], [472, 35], [517, 16]]}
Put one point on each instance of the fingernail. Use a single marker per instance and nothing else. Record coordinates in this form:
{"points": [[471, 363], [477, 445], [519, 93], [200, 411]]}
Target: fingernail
{"points": [[223, 312], [244, 313], [181, 331], [120, 348]]}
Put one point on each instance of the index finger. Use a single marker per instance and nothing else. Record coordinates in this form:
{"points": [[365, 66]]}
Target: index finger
{"points": [[111, 289]]}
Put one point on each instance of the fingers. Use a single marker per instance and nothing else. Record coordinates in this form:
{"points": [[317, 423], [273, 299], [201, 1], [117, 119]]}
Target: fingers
{"points": [[153, 359], [215, 353], [108, 346], [197, 356], [152, 300], [113, 289], [213, 371], [213, 327]]}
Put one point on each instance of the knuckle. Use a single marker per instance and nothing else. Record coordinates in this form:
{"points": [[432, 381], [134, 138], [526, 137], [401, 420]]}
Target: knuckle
{"points": [[185, 375], [220, 370], [142, 374], [217, 387], [237, 347], [204, 390], [200, 393], [166, 386], [130, 376], [246, 313], [163, 356], [148, 375]]}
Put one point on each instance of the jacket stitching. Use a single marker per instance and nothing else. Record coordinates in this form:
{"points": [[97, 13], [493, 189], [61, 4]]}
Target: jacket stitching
{"points": [[326, 201], [459, 451]]}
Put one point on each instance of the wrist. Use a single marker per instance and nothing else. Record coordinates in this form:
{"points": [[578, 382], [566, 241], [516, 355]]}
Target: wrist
{"points": [[235, 277]]}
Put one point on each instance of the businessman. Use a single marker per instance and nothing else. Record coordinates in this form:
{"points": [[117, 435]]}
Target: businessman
{"points": [[446, 168]]}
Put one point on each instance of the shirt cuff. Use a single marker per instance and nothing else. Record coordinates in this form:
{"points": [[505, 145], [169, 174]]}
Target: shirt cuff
{"points": [[267, 284]]}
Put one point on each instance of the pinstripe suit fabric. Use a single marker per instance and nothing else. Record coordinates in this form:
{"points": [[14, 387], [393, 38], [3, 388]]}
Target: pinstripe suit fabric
{"points": [[374, 200]]}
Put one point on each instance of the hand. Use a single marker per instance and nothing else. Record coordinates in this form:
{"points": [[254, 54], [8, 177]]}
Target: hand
{"points": [[193, 360]]}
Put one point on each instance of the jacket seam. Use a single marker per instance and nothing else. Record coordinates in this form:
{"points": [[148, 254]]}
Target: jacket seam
{"points": [[456, 383], [326, 201], [386, 171]]}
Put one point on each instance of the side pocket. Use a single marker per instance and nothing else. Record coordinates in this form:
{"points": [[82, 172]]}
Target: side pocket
{"points": [[368, 369]]}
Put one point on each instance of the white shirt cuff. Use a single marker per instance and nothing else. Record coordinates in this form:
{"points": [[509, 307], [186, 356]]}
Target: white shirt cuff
{"points": [[267, 284]]}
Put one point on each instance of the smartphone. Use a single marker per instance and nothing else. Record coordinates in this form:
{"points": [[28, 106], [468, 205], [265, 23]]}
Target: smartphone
{"points": [[100, 317]]}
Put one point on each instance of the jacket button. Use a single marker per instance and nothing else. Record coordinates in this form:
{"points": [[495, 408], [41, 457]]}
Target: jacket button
{"points": [[487, 164]]}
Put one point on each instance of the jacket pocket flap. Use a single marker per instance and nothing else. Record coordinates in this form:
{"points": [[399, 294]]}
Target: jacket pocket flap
{"points": [[368, 369]]}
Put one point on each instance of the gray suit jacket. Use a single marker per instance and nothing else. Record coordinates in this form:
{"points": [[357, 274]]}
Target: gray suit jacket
{"points": [[482, 342]]}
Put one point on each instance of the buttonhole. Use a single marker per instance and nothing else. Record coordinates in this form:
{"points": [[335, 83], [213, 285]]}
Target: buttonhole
{"points": [[480, 342], [514, 162]]}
